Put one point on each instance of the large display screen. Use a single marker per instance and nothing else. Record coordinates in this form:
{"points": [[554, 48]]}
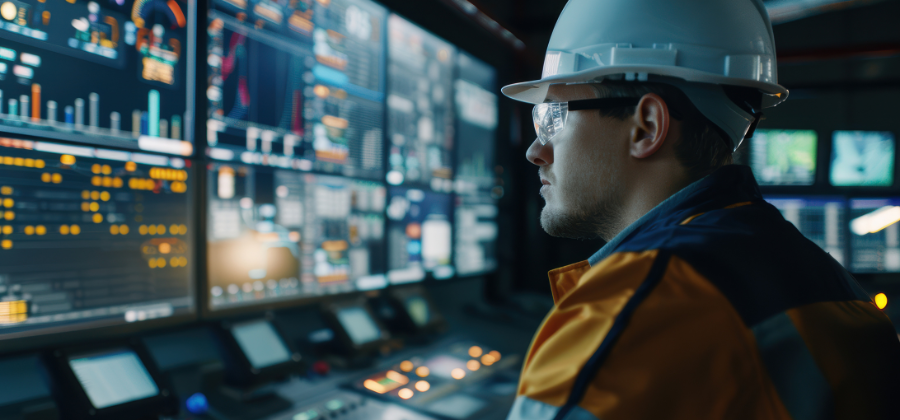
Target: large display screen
{"points": [[820, 219], [91, 237], [276, 234], [784, 157], [420, 107], [113, 378], [298, 84], [419, 235], [875, 235], [108, 73], [862, 158], [476, 205]]}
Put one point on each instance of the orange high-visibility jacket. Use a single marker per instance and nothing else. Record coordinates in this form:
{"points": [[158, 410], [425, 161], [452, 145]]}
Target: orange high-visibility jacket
{"points": [[712, 306]]}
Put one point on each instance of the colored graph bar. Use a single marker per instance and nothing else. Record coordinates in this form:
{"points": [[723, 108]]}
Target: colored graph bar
{"points": [[13, 108], [79, 113], [135, 123], [51, 112], [24, 108], [94, 100], [176, 127], [115, 122], [35, 102], [153, 111], [70, 115]]}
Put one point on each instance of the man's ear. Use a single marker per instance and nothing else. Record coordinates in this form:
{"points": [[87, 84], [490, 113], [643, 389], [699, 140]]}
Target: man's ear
{"points": [[651, 126]]}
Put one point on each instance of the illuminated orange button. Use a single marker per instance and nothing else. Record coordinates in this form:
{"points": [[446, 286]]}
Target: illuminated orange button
{"points": [[29, 230], [7, 230], [45, 177], [114, 229], [475, 351], [6, 244], [9, 215], [496, 355], [39, 163], [473, 365], [130, 166], [142, 229], [423, 371], [104, 196], [75, 229], [405, 393], [406, 366], [423, 386], [95, 207], [40, 230], [98, 218], [67, 159], [123, 230], [57, 178], [457, 373], [107, 170], [95, 195], [95, 168], [487, 360], [8, 203], [64, 229]]}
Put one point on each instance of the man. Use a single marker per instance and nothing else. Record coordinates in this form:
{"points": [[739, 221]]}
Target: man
{"points": [[705, 303]]}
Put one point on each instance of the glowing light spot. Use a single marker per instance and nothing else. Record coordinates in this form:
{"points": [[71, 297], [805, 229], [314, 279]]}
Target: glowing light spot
{"points": [[40, 230], [142, 229], [6, 190], [406, 366], [57, 178], [114, 229], [152, 263], [7, 230], [96, 181], [75, 229], [473, 365], [39, 163], [64, 229], [98, 218], [496, 355], [6, 244], [487, 360], [117, 182], [374, 386], [182, 230], [160, 262], [423, 386], [161, 229], [107, 169], [104, 196], [29, 163], [423, 371], [9, 215], [67, 159], [85, 206], [8, 10], [881, 300], [130, 166], [183, 261], [8, 203], [174, 229], [95, 195], [475, 351], [174, 261], [152, 229], [85, 195], [45, 177], [95, 207], [95, 168], [123, 230], [405, 393], [165, 248], [457, 373], [29, 230]]}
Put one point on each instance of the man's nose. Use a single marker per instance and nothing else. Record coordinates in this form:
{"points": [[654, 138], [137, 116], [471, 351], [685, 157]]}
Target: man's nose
{"points": [[540, 154]]}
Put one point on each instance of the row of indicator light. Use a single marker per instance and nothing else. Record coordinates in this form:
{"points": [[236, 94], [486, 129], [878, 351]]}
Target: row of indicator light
{"points": [[457, 373], [95, 195], [161, 229], [106, 181], [18, 161], [161, 262], [168, 174], [54, 178]]}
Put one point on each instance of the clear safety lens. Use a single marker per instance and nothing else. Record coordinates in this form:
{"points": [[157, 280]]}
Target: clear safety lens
{"points": [[549, 119]]}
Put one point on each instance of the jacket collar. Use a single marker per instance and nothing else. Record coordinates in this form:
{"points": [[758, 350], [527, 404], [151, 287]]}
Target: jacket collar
{"points": [[727, 185]]}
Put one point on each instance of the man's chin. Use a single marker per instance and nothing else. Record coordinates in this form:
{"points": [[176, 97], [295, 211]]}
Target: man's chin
{"points": [[566, 226]]}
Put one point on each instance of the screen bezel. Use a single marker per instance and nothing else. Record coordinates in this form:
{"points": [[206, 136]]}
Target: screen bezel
{"points": [[74, 400], [330, 312], [240, 371]]}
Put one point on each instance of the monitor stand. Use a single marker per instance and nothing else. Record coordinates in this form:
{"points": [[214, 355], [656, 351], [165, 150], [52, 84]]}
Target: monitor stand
{"points": [[235, 403]]}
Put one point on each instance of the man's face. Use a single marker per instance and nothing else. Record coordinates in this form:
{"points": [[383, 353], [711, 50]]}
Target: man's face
{"points": [[581, 169]]}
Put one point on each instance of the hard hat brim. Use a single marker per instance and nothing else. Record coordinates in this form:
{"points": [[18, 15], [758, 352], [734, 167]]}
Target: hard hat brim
{"points": [[535, 92]]}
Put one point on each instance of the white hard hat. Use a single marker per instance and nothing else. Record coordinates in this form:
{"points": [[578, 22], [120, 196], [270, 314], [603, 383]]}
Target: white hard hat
{"points": [[696, 45]]}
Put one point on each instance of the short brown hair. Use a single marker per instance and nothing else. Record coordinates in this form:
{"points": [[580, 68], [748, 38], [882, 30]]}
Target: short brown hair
{"points": [[703, 148]]}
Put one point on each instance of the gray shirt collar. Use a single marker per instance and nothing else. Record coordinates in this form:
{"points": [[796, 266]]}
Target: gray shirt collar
{"points": [[661, 208]]}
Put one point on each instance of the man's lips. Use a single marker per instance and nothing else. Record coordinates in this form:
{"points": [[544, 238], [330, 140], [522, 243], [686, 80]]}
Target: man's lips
{"points": [[545, 182]]}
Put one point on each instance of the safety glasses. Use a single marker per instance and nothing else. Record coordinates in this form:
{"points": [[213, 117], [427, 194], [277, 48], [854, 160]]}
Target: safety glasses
{"points": [[550, 117]]}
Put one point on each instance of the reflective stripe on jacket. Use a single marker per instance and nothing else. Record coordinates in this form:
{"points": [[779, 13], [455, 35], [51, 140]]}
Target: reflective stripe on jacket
{"points": [[716, 308]]}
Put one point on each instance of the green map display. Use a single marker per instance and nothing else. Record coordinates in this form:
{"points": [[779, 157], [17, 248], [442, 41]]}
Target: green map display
{"points": [[784, 157]]}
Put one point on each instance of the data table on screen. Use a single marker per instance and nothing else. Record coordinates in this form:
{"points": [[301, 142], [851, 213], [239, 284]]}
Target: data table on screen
{"points": [[276, 234], [132, 60], [302, 81], [419, 235], [820, 219], [875, 235], [784, 157], [420, 128], [91, 235]]}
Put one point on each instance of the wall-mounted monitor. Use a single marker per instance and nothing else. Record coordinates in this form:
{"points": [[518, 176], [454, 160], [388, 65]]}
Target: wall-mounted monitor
{"points": [[298, 84], [106, 73], [784, 157], [91, 237], [875, 235], [419, 235], [278, 234], [862, 159], [820, 219], [420, 107]]}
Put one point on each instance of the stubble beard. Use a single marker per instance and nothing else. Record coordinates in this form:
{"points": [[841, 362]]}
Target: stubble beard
{"points": [[587, 217]]}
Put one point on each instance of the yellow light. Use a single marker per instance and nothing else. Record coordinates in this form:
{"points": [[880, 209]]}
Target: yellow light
{"points": [[152, 229], [165, 248], [107, 182], [7, 230], [173, 229], [473, 365], [6, 190], [374, 386], [8, 203], [142, 229], [96, 181], [475, 351], [57, 178], [405, 393], [183, 261], [6, 244], [130, 166], [106, 170], [95, 168], [182, 230], [117, 182], [487, 360], [45, 177], [160, 262], [39, 163], [40, 230], [406, 366], [9, 215], [95, 206], [123, 230], [8, 10], [114, 229], [152, 263], [423, 371], [174, 261], [496, 355], [19, 161], [29, 163], [67, 159], [85, 206], [85, 195], [881, 300], [64, 229], [161, 229], [29, 230], [95, 195], [75, 229], [457, 373], [98, 218], [423, 386], [104, 196]]}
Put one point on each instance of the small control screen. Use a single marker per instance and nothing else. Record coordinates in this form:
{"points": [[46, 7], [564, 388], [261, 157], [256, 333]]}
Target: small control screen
{"points": [[261, 344], [862, 158], [784, 157], [113, 378], [359, 325], [418, 309]]}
